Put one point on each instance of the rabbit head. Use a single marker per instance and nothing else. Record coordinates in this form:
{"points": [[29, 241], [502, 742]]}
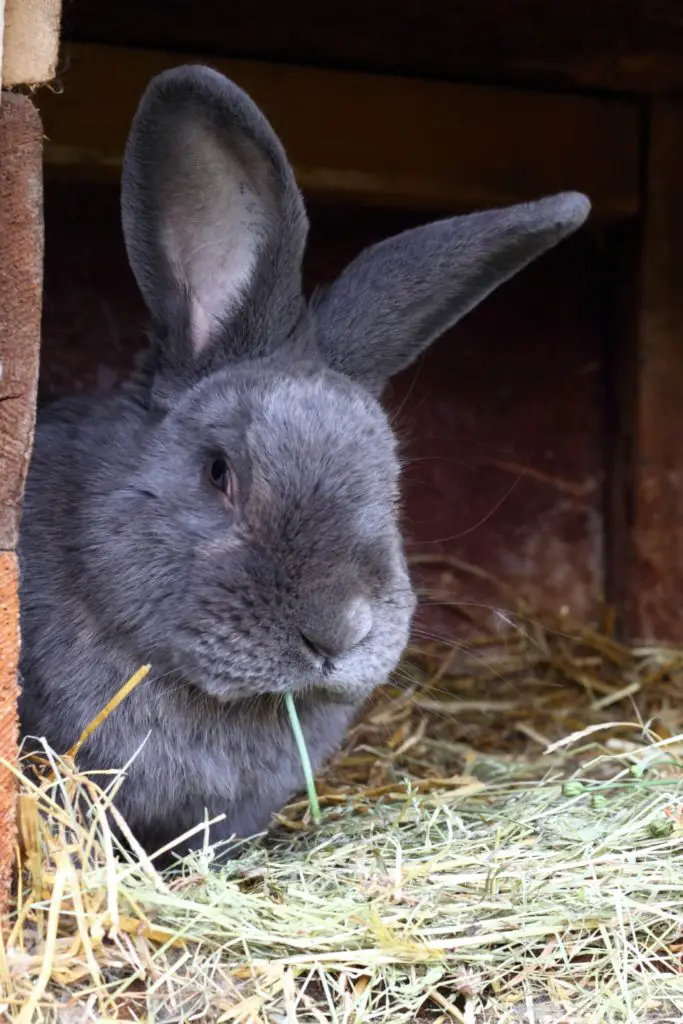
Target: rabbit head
{"points": [[262, 550]]}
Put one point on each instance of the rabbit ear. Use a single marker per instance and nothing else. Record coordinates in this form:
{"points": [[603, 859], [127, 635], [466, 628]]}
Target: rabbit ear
{"points": [[398, 296], [213, 221]]}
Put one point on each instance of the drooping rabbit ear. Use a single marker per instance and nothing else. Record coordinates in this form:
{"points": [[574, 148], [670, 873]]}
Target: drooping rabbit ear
{"points": [[398, 296], [213, 221]]}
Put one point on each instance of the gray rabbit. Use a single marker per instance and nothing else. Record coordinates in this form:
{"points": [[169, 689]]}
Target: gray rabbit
{"points": [[231, 514]]}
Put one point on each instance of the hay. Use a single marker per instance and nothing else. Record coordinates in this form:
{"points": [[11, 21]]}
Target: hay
{"points": [[501, 841]]}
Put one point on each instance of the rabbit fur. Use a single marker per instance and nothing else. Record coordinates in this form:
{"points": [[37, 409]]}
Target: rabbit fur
{"points": [[231, 515]]}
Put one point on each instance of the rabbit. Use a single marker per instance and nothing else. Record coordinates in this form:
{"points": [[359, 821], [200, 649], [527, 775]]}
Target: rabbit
{"points": [[231, 514]]}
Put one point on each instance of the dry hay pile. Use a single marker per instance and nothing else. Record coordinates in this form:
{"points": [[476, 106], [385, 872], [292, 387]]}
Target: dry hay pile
{"points": [[501, 841]]}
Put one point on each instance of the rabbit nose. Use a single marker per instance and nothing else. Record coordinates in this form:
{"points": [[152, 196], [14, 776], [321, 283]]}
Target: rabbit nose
{"points": [[335, 634]]}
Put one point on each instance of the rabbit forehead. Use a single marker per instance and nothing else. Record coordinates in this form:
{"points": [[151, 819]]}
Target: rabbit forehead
{"points": [[324, 406], [321, 425]]}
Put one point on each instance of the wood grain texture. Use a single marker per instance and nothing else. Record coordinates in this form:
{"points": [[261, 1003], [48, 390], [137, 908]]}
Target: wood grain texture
{"points": [[377, 138], [21, 281], [655, 606], [31, 41], [21, 277], [9, 660], [634, 46]]}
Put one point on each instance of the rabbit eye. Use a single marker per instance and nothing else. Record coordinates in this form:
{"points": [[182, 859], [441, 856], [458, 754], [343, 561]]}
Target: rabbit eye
{"points": [[221, 477]]}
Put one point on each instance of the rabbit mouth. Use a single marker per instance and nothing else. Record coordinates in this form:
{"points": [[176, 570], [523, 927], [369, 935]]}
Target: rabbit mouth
{"points": [[334, 685], [339, 693]]}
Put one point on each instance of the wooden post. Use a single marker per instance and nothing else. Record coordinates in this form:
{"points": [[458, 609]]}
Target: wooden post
{"points": [[21, 276], [651, 567], [29, 40]]}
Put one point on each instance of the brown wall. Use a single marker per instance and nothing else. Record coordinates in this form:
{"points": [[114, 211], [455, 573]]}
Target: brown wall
{"points": [[502, 419]]}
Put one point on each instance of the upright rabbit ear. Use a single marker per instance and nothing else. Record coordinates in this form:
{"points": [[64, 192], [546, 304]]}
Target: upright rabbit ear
{"points": [[213, 221], [398, 296]]}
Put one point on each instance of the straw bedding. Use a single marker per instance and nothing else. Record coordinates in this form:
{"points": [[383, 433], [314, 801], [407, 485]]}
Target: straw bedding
{"points": [[501, 840]]}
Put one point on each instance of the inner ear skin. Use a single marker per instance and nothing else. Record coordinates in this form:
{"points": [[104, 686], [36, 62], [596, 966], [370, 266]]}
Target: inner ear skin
{"points": [[218, 221], [214, 224]]}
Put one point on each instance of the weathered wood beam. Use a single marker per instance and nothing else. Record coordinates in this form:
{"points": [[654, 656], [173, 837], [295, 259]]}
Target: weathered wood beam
{"points": [[21, 276], [31, 41], [374, 138], [653, 498], [596, 44]]}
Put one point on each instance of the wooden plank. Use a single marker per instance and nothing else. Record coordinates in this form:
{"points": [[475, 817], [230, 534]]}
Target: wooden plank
{"points": [[620, 285], [654, 608], [31, 41], [9, 731], [2, 34], [21, 277], [633, 47], [382, 139], [21, 274]]}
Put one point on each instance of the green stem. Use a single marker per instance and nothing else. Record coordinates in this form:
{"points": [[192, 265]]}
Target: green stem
{"points": [[303, 754]]}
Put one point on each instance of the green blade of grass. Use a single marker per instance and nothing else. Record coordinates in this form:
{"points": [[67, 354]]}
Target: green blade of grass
{"points": [[303, 754]]}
